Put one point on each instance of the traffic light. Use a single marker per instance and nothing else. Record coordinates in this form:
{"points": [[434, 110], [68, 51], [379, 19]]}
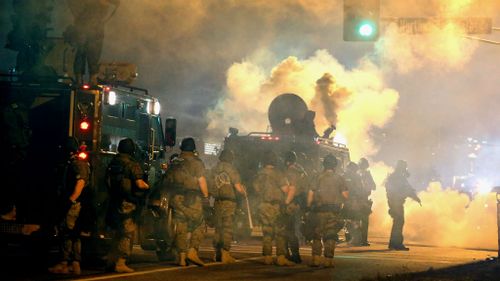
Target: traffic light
{"points": [[361, 20]]}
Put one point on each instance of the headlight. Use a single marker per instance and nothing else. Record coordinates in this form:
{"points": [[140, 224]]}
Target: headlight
{"points": [[112, 98], [156, 108]]}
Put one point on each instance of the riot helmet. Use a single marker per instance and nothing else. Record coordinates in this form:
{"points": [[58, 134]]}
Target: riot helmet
{"points": [[226, 155], [330, 162], [187, 144], [270, 158], [363, 164], [126, 146], [352, 167], [290, 157]]}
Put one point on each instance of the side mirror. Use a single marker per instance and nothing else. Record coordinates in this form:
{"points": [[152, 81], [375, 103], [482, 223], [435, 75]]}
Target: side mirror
{"points": [[170, 131]]}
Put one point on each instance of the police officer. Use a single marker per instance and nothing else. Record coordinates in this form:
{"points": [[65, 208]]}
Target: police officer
{"points": [[127, 192], [226, 181], [354, 205], [275, 194], [368, 185], [297, 178], [187, 176], [398, 189], [73, 195], [328, 193]]}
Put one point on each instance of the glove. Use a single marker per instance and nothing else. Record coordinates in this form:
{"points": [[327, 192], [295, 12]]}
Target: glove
{"points": [[205, 203]]}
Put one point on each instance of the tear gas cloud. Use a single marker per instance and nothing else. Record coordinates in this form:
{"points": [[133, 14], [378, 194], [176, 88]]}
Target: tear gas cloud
{"points": [[359, 100], [218, 64]]}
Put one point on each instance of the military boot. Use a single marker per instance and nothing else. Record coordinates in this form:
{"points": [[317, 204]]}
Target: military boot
{"points": [[226, 257], [268, 260], [60, 268], [182, 259], [121, 267], [76, 268], [328, 263], [283, 261], [316, 261], [217, 255], [192, 256]]}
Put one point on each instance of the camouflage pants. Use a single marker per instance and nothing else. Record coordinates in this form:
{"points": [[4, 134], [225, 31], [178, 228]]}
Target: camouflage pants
{"points": [[125, 230], [71, 245], [224, 218], [293, 216], [188, 219], [273, 222], [327, 225]]}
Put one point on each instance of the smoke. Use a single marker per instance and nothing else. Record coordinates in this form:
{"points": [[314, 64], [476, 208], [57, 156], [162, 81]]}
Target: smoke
{"points": [[218, 64], [446, 218], [355, 100], [360, 101]]}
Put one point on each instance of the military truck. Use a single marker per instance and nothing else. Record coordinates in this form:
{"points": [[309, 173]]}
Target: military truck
{"points": [[38, 115], [293, 129]]}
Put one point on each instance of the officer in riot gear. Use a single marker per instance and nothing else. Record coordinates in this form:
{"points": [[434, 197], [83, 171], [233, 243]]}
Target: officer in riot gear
{"points": [[398, 189], [275, 196], [369, 186], [226, 185], [186, 176], [127, 191], [74, 195], [297, 177], [328, 193], [354, 205]]}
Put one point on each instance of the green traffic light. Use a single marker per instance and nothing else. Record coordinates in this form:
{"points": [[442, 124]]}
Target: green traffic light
{"points": [[366, 29]]}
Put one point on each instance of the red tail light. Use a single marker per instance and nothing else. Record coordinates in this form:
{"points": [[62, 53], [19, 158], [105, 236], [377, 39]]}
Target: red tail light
{"points": [[86, 86], [83, 155], [84, 125]]}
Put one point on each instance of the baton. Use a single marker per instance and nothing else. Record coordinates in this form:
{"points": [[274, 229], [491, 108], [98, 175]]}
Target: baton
{"points": [[250, 223]]}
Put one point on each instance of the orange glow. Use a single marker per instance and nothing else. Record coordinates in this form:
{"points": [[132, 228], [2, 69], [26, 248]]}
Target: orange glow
{"points": [[82, 155], [84, 125]]}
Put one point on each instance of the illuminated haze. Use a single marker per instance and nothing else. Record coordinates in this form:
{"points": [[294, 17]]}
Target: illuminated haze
{"points": [[216, 64]]}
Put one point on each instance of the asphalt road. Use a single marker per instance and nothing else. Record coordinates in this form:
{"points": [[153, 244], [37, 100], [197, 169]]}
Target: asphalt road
{"points": [[352, 263]]}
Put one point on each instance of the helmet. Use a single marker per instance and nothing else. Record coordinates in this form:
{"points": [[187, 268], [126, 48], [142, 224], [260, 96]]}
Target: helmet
{"points": [[401, 165], [290, 157], [330, 162], [187, 144], [226, 156], [353, 167], [363, 164], [270, 158], [126, 146]]}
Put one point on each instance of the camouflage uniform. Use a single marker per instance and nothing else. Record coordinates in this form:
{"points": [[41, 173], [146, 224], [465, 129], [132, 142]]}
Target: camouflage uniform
{"points": [[125, 201], [272, 214], [368, 186], [70, 231], [187, 201], [225, 176], [327, 201], [296, 177], [354, 206]]}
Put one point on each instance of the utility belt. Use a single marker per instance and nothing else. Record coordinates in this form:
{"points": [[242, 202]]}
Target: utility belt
{"points": [[273, 202], [335, 208], [225, 199]]}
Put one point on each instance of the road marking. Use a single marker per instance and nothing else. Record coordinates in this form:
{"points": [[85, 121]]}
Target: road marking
{"points": [[113, 276]]}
